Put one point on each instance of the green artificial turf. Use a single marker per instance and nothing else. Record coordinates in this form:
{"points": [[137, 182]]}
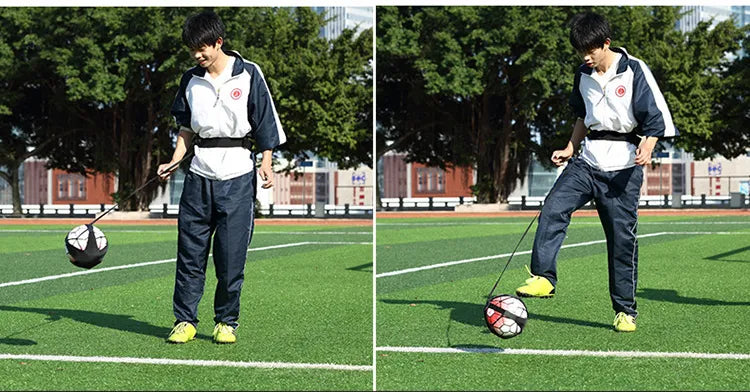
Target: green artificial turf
{"points": [[303, 304], [692, 297]]}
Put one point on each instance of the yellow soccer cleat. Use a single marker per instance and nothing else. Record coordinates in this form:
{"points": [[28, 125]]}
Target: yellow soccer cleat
{"points": [[624, 322], [536, 287], [224, 334], [182, 333]]}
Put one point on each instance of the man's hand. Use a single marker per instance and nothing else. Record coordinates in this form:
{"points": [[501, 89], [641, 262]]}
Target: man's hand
{"points": [[162, 171], [559, 157], [643, 153], [266, 170]]}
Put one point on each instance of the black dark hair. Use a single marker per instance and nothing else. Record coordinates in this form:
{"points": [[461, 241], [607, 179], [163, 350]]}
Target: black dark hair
{"points": [[202, 29], [589, 31]]}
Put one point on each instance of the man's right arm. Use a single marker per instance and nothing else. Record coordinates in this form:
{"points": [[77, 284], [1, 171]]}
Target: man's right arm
{"points": [[183, 141], [559, 157]]}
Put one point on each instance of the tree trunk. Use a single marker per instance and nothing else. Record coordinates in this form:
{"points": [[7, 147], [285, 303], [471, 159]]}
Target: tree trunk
{"points": [[485, 189], [503, 152], [16, 189]]}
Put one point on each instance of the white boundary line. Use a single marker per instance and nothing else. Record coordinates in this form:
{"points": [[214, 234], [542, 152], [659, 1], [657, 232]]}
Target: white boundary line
{"points": [[175, 231], [126, 266], [188, 362], [457, 262], [582, 353], [521, 223]]}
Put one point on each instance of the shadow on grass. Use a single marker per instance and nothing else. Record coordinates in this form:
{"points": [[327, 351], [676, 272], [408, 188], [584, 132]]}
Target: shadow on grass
{"points": [[723, 256], [472, 313], [120, 322], [672, 296], [16, 342], [367, 267]]}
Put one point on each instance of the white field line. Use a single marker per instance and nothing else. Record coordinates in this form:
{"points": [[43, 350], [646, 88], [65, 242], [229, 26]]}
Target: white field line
{"points": [[525, 252], [146, 263], [175, 231], [188, 362], [566, 353], [521, 223]]}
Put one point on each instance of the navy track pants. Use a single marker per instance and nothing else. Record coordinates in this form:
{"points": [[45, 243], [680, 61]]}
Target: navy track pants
{"points": [[224, 210], [616, 195]]}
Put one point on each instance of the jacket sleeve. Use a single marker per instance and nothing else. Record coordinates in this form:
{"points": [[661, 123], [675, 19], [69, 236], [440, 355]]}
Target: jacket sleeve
{"points": [[180, 107], [266, 127], [649, 106], [576, 99]]}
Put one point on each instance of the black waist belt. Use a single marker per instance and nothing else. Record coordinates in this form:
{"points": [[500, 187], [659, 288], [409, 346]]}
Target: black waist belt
{"points": [[631, 137], [212, 142]]}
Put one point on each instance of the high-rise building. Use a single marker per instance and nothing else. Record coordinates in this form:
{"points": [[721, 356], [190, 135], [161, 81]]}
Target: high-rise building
{"points": [[340, 18], [695, 14]]}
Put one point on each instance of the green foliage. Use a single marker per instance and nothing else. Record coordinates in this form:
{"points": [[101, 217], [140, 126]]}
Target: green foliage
{"points": [[322, 89], [469, 85], [99, 82]]}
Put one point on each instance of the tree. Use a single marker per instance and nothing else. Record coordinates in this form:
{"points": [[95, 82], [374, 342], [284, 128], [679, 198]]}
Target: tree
{"points": [[733, 107], [110, 75], [30, 97], [322, 89], [470, 85], [474, 80]]}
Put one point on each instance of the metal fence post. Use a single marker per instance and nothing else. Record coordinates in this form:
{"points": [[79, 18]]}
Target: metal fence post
{"points": [[460, 200], [400, 203], [346, 209], [703, 199], [523, 202], [270, 209], [71, 208], [430, 206]]}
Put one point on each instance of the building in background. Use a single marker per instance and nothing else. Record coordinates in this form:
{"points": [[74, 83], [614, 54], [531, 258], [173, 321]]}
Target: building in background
{"points": [[340, 18], [695, 14], [398, 178], [40, 185]]}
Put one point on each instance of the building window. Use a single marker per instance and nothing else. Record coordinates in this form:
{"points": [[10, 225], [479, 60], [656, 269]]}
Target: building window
{"points": [[71, 187], [430, 180]]}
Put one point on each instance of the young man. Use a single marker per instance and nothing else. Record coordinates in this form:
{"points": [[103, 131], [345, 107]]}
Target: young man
{"points": [[220, 103], [621, 115]]}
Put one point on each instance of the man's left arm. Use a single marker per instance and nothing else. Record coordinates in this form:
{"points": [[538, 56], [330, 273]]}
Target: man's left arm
{"points": [[266, 169], [649, 107], [643, 152], [264, 120]]}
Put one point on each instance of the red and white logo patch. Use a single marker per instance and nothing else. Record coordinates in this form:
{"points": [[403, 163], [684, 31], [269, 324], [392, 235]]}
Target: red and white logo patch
{"points": [[236, 93], [620, 91]]}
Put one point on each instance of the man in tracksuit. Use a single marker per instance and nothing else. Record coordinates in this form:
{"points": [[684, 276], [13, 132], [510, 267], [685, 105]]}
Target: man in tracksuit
{"points": [[621, 114], [220, 103]]}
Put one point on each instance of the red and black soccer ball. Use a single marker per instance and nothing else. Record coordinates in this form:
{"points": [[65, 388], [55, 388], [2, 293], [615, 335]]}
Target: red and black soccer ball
{"points": [[505, 316], [86, 246]]}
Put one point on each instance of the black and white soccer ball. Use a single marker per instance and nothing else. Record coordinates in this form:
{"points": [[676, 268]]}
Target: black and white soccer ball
{"points": [[505, 315], [86, 246]]}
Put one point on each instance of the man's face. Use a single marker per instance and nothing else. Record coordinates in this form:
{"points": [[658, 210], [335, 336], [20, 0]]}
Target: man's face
{"points": [[595, 57], [206, 55]]}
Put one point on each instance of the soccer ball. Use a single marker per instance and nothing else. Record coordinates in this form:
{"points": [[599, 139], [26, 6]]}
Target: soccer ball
{"points": [[86, 246], [505, 315]]}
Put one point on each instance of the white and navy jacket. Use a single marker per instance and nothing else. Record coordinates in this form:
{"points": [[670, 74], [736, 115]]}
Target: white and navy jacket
{"points": [[241, 106], [629, 103]]}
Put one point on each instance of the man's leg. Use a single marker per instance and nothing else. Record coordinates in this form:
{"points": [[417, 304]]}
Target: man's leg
{"points": [[617, 202], [571, 191], [234, 202], [192, 247]]}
